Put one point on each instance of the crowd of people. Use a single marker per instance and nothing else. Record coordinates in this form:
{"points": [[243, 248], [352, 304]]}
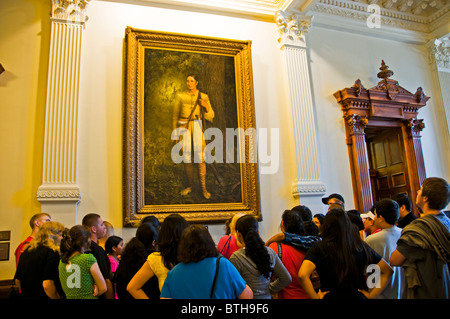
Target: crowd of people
{"points": [[387, 253]]}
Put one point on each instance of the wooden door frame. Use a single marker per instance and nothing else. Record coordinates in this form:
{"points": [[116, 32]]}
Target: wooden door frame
{"points": [[385, 105]]}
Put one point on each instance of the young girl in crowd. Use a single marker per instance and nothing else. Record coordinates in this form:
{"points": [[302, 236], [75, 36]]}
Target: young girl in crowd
{"points": [[256, 262], [114, 249], [37, 271], [197, 254], [318, 220], [341, 259], [79, 272], [159, 263]]}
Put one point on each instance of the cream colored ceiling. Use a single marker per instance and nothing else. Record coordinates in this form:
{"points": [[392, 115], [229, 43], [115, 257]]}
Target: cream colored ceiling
{"points": [[419, 8]]}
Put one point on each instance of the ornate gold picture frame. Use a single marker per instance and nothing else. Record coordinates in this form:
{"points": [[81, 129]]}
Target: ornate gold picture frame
{"points": [[157, 65]]}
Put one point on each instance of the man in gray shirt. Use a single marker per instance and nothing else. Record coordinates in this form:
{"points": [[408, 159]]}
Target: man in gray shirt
{"points": [[385, 243]]}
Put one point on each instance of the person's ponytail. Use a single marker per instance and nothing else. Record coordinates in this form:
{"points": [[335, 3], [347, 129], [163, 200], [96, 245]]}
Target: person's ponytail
{"points": [[257, 251], [66, 248], [76, 239], [255, 248]]}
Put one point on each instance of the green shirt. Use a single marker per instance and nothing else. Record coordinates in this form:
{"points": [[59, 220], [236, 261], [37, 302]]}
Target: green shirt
{"points": [[76, 278]]}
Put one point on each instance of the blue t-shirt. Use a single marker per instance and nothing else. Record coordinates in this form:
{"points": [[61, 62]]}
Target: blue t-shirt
{"points": [[195, 280]]}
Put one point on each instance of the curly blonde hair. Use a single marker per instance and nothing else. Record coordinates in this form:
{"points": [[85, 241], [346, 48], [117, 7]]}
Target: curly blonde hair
{"points": [[49, 235]]}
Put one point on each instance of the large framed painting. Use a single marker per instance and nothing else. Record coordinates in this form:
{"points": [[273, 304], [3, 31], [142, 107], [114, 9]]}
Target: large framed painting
{"points": [[189, 131]]}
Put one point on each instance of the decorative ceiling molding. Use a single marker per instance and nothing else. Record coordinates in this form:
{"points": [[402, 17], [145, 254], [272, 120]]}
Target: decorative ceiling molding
{"points": [[405, 15], [387, 11]]}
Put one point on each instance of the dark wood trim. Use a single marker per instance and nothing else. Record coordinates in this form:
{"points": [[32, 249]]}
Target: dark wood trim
{"points": [[5, 285], [385, 105]]}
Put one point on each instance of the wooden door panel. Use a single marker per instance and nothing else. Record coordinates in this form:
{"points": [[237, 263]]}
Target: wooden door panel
{"points": [[388, 168], [379, 155], [398, 180], [395, 150], [383, 183]]}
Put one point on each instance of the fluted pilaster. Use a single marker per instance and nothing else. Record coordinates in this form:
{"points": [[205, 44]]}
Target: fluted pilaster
{"points": [[292, 29], [59, 192]]}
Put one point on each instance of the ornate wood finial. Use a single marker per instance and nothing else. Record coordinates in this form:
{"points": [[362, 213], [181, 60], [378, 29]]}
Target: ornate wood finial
{"points": [[385, 72], [419, 94], [359, 87]]}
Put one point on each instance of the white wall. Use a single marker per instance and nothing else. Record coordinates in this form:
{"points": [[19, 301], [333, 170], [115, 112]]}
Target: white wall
{"points": [[337, 60]]}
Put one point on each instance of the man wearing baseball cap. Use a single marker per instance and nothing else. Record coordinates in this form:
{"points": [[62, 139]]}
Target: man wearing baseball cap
{"points": [[334, 199], [369, 223]]}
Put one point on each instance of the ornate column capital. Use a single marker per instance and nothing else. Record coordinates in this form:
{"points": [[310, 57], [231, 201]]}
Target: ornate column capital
{"points": [[439, 53], [414, 126], [292, 27], [356, 123], [73, 11]]}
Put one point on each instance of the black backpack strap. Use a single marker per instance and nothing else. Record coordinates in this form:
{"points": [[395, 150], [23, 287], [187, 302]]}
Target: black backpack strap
{"points": [[227, 245], [215, 277], [280, 250]]}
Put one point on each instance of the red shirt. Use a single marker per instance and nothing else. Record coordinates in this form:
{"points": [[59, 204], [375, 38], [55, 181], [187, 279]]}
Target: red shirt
{"points": [[21, 248], [227, 246], [292, 259], [375, 231]]}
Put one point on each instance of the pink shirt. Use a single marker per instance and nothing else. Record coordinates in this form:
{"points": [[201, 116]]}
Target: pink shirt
{"points": [[114, 265]]}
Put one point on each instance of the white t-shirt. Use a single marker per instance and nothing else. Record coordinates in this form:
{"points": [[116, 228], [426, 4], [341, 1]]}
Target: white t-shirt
{"points": [[385, 243]]}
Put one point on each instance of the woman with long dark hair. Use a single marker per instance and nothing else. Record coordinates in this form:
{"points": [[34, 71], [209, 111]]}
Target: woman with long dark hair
{"points": [[255, 262], [134, 256], [160, 263], [343, 261]]}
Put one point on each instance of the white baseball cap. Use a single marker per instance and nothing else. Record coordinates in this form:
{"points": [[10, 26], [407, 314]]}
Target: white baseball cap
{"points": [[369, 214]]}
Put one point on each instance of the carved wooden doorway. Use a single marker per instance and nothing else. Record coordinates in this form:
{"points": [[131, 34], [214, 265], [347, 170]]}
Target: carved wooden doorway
{"points": [[383, 139]]}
